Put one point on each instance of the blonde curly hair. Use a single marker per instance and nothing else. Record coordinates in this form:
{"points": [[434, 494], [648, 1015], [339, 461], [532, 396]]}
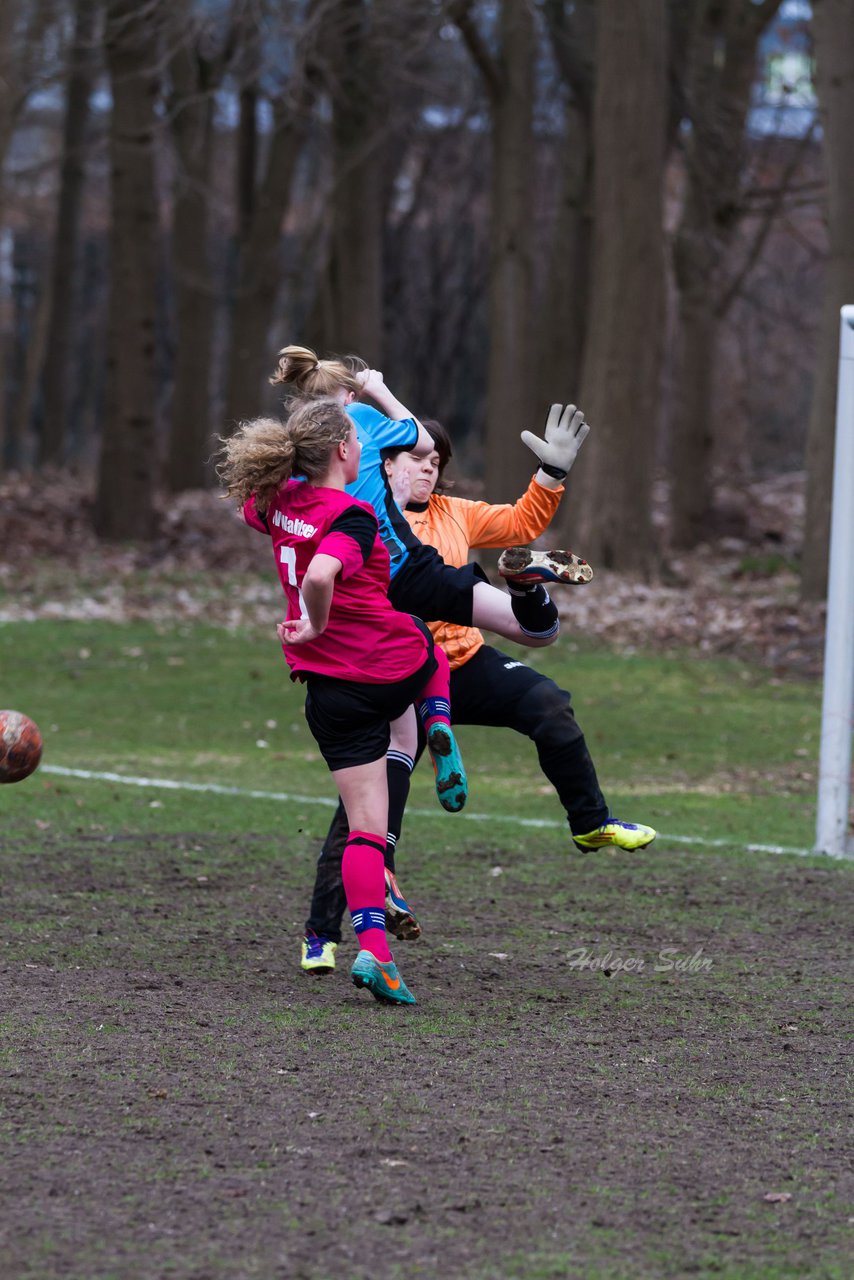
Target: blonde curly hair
{"points": [[265, 452], [302, 370]]}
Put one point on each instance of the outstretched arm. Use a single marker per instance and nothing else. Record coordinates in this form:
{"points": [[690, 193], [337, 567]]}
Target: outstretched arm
{"points": [[565, 433], [505, 524]]}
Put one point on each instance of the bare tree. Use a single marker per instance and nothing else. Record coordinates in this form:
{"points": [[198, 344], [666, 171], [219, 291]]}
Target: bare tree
{"points": [[567, 279], [436, 277], [265, 185], [23, 30], [10, 91], [197, 59], [127, 473], [833, 22], [623, 351], [53, 441], [353, 288], [23, 26], [506, 65], [715, 93], [377, 63]]}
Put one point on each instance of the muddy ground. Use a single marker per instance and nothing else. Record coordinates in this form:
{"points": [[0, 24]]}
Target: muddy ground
{"points": [[178, 1100]]}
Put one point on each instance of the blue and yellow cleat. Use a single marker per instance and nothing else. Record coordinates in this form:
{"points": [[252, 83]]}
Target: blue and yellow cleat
{"points": [[382, 979], [526, 567], [622, 835], [318, 954], [451, 785], [399, 917]]}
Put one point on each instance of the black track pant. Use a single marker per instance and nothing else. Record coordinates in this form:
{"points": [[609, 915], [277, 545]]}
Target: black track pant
{"points": [[490, 689]]}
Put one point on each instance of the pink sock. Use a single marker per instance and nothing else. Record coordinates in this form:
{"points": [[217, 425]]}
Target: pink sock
{"points": [[363, 873], [434, 700]]}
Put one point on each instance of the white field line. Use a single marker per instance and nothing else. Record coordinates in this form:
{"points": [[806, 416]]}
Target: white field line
{"points": [[216, 789]]}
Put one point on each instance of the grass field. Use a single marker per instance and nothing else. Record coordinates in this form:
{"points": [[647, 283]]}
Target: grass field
{"points": [[618, 1066]]}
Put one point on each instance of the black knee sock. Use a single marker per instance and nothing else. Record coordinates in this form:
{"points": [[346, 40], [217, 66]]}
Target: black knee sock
{"points": [[329, 902], [399, 768], [534, 610]]}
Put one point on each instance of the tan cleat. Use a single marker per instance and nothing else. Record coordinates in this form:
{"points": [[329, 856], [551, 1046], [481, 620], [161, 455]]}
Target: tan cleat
{"points": [[399, 917], [522, 565]]}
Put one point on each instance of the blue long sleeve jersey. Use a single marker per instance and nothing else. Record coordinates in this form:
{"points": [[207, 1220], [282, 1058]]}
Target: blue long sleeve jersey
{"points": [[376, 433]]}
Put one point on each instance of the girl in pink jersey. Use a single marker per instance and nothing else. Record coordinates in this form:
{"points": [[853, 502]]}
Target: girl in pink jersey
{"points": [[363, 663], [420, 582]]}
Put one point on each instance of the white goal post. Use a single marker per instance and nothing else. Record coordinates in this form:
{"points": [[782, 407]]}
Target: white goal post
{"points": [[837, 710]]}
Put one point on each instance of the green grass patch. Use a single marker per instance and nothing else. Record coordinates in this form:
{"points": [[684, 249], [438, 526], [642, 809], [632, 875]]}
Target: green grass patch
{"points": [[704, 749]]}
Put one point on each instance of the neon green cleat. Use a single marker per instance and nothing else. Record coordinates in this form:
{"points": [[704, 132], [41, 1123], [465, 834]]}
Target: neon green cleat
{"points": [[382, 979], [624, 835], [318, 954]]}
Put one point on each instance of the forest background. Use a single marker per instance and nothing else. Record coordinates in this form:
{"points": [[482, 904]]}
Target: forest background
{"points": [[642, 206]]}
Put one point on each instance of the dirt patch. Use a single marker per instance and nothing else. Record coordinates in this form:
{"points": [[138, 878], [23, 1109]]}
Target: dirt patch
{"points": [[180, 1101]]}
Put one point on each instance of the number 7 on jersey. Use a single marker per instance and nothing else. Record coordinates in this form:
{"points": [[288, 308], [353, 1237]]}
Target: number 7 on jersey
{"points": [[288, 556]]}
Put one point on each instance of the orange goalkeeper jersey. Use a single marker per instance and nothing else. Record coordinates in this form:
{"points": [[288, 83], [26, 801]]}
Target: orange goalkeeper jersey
{"points": [[454, 525]]}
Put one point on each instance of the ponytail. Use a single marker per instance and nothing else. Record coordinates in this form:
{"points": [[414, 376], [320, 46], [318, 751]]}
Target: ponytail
{"points": [[264, 453], [300, 369], [258, 459]]}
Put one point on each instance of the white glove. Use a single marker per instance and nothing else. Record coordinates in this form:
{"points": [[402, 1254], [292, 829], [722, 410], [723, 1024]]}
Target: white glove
{"points": [[565, 433]]}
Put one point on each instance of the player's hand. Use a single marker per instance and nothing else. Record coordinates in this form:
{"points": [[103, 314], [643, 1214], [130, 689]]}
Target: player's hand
{"points": [[372, 381], [296, 631], [565, 433], [401, 488]]}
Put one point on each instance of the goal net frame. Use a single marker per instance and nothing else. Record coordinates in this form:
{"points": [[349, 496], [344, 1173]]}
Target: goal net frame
{"points": [[833, 829]]}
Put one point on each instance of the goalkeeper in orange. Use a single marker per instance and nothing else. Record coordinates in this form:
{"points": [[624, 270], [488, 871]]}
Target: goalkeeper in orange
{"points": [[488, 687]]}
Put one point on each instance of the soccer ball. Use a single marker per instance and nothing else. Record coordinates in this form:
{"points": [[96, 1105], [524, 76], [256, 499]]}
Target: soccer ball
{"points": [[20, 746]]}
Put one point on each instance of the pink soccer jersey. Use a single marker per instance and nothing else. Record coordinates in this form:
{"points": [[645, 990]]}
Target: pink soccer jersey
{"points": [[366, 639]]}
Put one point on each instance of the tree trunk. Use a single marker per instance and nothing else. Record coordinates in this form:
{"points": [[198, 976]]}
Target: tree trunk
{"points": [[508, 77], [55, 370], [25, 315], [722, 43], [563, 320], [259, 270], [124, 501], [623, 351], [353, 292], [262, 202], [191, 113], [7, 14], [247, 157], [24, 450], [567, 292], [692, 442], [22, 28], [23, 25], [510, 405], [698, 253], [833, 24]]}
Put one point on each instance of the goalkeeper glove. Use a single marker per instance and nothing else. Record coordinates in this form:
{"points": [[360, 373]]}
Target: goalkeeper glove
{"points": [[565, 433]]}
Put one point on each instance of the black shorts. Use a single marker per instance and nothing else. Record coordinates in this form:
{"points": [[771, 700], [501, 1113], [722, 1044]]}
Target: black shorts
{"points": [[350, 720], [433, 590]]}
